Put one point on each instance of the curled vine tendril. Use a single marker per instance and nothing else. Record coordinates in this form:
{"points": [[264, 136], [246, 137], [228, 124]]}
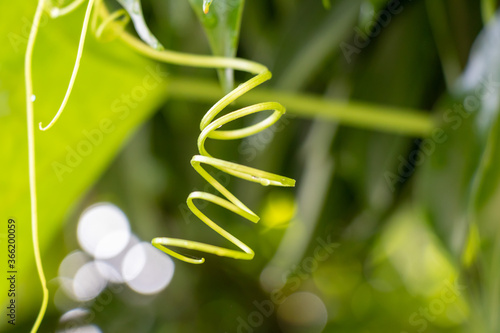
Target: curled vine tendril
{"points": [[55, 12], [210, 128]]}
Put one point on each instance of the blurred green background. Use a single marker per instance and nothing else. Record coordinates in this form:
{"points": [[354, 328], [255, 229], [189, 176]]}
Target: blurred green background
{"points": [[393, 224]]}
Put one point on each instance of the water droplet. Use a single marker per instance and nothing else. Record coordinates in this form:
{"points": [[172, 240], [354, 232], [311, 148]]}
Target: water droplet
{"points": [[33, 97], [265, 182], [54, 12]]}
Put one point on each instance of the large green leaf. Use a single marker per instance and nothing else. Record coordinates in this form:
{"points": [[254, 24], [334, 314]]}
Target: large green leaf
{"points": [[115, 91], [222, 26]]}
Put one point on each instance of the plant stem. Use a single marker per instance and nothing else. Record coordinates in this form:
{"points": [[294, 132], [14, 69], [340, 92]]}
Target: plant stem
{"points": [[309, 59], [31, 158], [363, 115], [193, 60]]}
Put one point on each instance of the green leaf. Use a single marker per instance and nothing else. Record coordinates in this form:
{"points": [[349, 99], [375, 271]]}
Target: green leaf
{"points": [[482, 78], [222, 26], [461, 177], [370, 12], [485, 190], [115, 91]]}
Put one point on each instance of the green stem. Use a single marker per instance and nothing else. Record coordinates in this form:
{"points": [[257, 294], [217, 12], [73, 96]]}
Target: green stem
{"points": [[31, 158], [186, 59], [325, 43], [56, 11], [363, 115], [402, 121]]}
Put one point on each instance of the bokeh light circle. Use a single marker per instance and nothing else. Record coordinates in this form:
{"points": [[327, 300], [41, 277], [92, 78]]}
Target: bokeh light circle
{"points": [[84, 329], [146, 270], [103, 231], [302, 312], [88, 283]]}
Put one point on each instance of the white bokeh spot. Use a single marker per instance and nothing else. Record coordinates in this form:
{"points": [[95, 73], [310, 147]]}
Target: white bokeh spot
{"points": [[103, 231], [88, 283], [146, 270]]}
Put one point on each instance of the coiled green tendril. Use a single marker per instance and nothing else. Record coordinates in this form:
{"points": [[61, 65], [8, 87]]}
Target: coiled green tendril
{"points": [[209, 129]]}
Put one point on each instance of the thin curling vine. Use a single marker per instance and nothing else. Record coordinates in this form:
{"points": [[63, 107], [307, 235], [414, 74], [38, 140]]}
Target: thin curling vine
{"points": [[30, 98], [209, 129]]}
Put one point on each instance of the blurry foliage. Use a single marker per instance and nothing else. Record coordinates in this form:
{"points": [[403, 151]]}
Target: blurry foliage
{"points": [[407, 228]]}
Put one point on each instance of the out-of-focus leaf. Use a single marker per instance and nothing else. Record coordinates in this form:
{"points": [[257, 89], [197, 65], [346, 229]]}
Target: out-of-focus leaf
{"points": [[115, 91], [134, 9], [222, 26], [373, 172], [448, 158], [370, 11], [457, 166], [483, 75], [377, 3]]}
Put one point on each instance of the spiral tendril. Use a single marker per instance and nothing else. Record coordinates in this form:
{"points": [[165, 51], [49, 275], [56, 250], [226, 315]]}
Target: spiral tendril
{"points": [[210, 128]]}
